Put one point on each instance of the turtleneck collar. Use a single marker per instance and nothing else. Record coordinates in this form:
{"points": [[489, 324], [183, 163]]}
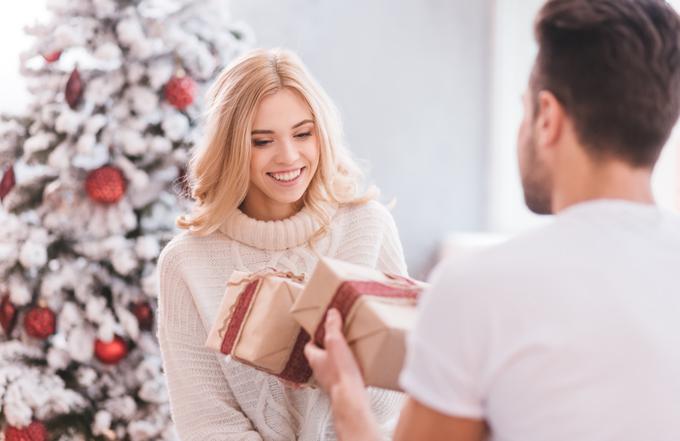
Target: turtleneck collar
{"points": [[273, 235]]}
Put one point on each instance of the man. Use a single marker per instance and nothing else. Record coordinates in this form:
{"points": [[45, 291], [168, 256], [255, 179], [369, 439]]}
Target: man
{"points": [[571, 332]]}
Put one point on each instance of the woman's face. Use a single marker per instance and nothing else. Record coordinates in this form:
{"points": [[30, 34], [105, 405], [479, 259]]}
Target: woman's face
{"points": [[284, 158]]}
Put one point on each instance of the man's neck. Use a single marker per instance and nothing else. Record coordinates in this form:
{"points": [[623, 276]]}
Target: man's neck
{"points": [[604, 180]]}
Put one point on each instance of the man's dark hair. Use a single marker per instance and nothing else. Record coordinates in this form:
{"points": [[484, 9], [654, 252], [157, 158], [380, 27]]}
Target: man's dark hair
{"points": [[615, 67]]}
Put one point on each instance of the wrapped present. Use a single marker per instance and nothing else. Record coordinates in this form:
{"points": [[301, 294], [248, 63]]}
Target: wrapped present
{"points": [[378, 310], [255, 327]]}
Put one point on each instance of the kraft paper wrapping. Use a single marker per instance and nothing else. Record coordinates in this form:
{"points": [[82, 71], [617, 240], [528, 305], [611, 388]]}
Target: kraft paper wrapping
{"points": [[254, 325], [378, 311]]}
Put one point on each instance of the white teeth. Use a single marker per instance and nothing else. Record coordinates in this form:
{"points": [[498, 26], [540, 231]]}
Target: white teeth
{"points": [[288, 176]]}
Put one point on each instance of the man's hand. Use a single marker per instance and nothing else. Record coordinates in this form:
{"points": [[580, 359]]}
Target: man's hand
{"points": [[337, 372], [335, 366]]}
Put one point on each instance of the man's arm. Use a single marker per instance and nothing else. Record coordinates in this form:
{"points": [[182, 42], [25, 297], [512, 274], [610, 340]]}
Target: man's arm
{"points": [[338, 373], [418, 421]]}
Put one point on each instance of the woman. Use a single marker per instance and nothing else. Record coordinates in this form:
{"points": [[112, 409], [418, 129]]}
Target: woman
{"points": [[274, 187]]}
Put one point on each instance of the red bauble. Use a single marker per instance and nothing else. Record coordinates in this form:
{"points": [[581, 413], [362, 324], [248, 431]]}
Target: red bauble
{"points": [[8, 315], [52, 56], [111, 352], [7, 183], [180, 91], [144, 314], [40, 322], [74, 89], [35, 431], [105, 184]]}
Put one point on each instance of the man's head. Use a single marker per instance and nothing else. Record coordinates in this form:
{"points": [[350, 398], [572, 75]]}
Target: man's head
{"points": [[607, 77]]}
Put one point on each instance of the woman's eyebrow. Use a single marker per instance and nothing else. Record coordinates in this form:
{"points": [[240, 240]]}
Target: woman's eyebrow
{"points": [[269, 132]]}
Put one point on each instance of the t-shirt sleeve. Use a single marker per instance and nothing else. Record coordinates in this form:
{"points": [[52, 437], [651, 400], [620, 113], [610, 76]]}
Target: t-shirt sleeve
{"points": [[447, 364]]}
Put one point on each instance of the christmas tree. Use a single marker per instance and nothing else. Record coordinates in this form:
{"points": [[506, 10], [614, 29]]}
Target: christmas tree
{"points": [[91, 181]]}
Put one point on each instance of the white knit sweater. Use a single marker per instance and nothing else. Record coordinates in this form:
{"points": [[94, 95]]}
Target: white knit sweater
{"points": [[214, 398]]}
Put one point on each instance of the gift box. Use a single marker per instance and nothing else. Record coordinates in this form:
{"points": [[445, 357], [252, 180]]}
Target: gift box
{"points": [[378, 311], [255, 327]]}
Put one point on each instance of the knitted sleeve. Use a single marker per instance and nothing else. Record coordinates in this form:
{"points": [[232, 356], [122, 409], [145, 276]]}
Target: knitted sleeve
{"points": [[391, 255], [201, 401]]}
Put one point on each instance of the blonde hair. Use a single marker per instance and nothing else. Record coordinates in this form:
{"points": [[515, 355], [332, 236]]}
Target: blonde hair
{"points": [[219, 168]]}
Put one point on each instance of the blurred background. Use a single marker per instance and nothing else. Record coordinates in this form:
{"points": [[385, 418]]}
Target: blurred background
{"points": [[430, 93]]}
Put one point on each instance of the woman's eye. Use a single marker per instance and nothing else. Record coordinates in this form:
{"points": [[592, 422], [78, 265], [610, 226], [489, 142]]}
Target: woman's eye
{"points": [[303, 135], [261, 142]]}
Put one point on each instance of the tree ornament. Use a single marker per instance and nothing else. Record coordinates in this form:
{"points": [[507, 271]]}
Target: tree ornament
{"points": [[35, 431], [40, 322], [7, 183], [106, 184], [180, 91], [74, 89], [111, 352], [52, 56], [144, 314], [8, 315]]}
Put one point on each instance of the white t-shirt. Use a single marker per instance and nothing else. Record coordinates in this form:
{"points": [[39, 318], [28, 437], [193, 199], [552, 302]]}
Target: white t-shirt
{"points": [[571, 332]]}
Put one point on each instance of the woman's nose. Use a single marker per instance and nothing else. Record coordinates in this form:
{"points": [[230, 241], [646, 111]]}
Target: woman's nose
{"points": [[288, 152]]}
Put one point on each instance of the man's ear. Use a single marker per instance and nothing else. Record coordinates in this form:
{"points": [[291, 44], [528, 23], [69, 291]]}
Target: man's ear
{"points": [[550, 120]]}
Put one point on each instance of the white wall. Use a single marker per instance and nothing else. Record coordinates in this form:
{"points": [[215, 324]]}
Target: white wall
{"points": [[410, 78]]}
